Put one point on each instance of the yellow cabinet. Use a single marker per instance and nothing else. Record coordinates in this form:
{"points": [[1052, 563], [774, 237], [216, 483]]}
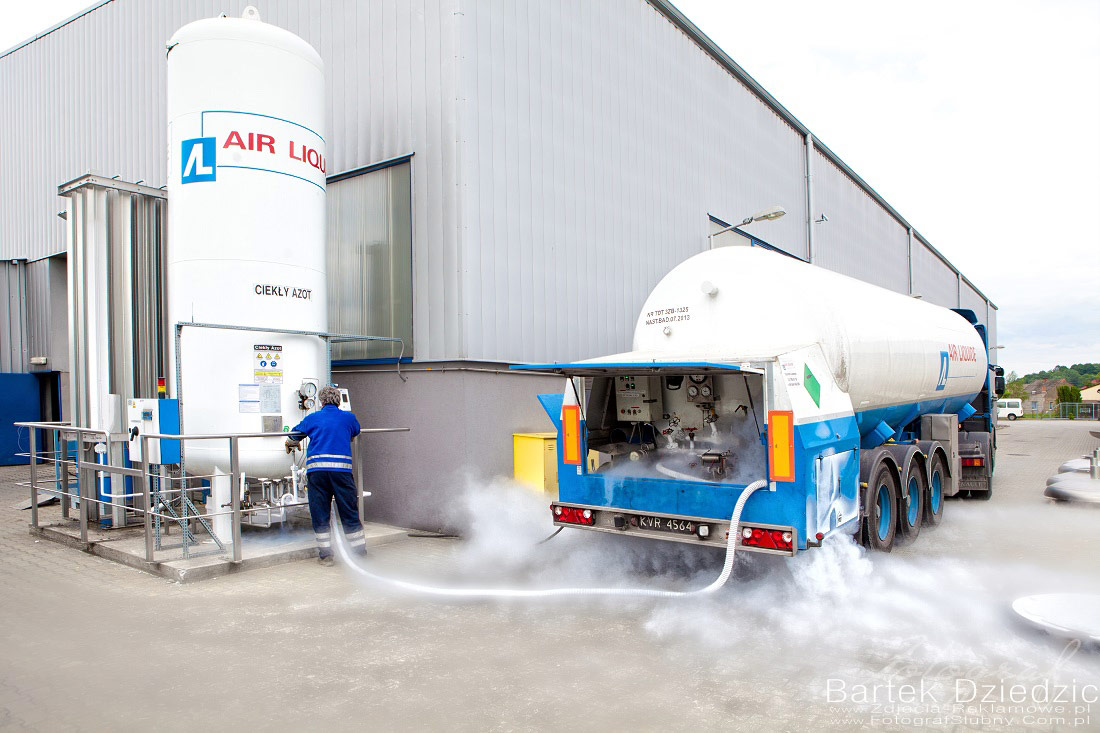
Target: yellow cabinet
{"points": [[536, 460]]}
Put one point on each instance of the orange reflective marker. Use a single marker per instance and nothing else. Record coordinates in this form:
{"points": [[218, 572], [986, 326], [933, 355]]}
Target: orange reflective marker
{"points": [[571, 435], [781, 445]]}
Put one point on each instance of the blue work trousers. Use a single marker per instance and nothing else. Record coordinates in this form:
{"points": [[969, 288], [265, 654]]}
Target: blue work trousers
{"points": [[324, 486]]}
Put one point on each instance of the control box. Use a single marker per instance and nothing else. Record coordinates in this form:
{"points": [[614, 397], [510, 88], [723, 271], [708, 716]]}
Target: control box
{"points": [[144, 416], [638, 399], [945, 429], [345, 400]]}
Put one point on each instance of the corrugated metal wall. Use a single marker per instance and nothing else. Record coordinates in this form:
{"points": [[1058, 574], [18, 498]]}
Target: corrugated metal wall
{"points": [[596, 138], [14, 330], [860, 238], [89, 97], [932, 278], [562, 165], [35, 322], [40, 315]]}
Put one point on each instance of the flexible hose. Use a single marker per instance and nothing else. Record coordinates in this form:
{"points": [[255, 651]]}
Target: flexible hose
{"points": [[672, 473], [344, 552]]}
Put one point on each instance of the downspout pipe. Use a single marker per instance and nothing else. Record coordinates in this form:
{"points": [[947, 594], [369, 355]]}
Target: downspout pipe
{"points": [[810, 198]]}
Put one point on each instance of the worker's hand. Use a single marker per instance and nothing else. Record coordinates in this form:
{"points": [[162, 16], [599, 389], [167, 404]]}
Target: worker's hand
{"points": [[291, 446]]}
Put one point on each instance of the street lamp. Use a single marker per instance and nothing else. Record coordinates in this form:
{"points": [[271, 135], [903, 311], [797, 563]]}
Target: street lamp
{"points": [[770, 213]]}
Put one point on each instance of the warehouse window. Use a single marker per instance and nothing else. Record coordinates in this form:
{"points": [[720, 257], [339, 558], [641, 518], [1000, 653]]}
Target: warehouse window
{"points": [[370, 260]]}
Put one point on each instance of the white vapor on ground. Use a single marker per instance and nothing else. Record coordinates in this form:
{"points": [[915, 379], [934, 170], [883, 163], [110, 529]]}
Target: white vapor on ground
{"points": [[903, 615]]}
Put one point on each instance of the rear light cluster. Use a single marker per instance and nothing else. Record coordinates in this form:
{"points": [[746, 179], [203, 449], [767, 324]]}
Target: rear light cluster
{"points": [[571, 515], [973, 462], [768, 539]]}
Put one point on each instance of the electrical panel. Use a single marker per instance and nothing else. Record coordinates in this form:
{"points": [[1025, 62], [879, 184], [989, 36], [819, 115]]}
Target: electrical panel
{"points": [[147, 416], [638, 399], [345, 400]]}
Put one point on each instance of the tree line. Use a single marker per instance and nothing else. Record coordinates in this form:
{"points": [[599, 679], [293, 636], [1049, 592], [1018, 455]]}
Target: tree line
{"points": [[1078, 376]]}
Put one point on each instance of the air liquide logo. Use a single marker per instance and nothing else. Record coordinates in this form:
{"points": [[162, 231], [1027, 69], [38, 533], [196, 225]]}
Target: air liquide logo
{"points": [[198, 159], [945, 362], [249, 143]]}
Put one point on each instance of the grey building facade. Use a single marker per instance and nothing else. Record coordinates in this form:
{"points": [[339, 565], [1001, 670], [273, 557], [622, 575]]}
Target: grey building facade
{"points": [[507, 182]]}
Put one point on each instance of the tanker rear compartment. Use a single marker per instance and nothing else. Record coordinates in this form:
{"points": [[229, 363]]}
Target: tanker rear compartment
{"points": [[670, 449]]}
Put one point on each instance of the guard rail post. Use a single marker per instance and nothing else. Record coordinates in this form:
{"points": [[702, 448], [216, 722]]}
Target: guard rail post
{"points": [[34, 477], [235, 494], [58, 445], [147, 498], [84, 481], [356, 473]]}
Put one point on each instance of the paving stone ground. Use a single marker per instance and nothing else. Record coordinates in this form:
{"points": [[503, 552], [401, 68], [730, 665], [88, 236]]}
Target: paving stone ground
{"points": [[91, 645]]}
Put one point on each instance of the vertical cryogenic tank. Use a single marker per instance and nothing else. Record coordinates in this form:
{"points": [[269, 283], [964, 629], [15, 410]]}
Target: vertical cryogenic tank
{"points": [[246, 190]]}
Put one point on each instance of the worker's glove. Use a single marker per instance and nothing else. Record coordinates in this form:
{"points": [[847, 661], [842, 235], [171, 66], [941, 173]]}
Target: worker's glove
{"points": [[291, 446]]}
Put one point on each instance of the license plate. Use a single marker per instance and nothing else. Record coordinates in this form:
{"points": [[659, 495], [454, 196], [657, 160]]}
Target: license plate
{"points": [[665, 524]]}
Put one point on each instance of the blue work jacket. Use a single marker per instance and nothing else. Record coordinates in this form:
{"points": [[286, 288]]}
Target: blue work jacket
{"points": [[330, 431]]}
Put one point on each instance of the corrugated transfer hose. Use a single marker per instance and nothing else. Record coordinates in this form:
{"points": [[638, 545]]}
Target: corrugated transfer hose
{"points": [[344, 552]]}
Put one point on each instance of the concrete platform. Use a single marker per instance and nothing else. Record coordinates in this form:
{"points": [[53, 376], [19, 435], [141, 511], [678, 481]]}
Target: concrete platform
{"points": [[261, 548]]}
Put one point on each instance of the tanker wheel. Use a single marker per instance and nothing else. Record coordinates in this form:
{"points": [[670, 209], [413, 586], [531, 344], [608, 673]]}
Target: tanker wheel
{"points": [[937, 482], [912, 500], [880, 522]]}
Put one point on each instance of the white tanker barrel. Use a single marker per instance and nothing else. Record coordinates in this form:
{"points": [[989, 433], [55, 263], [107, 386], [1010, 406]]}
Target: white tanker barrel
{"points": [[895, 356], [246, 237]]}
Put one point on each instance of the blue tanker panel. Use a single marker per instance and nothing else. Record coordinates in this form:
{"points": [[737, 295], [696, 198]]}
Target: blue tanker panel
{"points": [[898, 416]]}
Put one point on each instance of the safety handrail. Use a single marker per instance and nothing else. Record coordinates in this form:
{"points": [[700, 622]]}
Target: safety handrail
{"points": [[144, 474]]}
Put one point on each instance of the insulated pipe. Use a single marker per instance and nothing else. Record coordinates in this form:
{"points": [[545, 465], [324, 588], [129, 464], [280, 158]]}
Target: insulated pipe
{"points": [[344, 552]]}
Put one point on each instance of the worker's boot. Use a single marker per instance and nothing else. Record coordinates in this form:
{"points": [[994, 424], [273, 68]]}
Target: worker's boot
{"points": [[326, 562]]}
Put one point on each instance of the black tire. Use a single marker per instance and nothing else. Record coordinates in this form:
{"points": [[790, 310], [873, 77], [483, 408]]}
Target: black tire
{"points": [[936, 486], [881, 504], [911, 501], [1011, 416]]}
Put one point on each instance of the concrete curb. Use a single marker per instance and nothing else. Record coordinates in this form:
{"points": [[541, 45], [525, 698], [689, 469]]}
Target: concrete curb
{"points": [[197, 569]]}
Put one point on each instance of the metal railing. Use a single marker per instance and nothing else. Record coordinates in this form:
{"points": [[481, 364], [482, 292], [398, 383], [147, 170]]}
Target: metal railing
{"points": [[1064, 411], [1077, 410], [92, 442]]}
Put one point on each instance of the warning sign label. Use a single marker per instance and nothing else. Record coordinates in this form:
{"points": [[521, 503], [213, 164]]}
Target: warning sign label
{"points": [[267, 364]]}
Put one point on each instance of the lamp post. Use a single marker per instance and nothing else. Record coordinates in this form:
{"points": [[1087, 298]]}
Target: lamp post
{"points": [[771, 213]]}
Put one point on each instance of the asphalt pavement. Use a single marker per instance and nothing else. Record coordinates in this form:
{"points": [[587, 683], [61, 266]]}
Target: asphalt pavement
{"points": [[824, 641]]}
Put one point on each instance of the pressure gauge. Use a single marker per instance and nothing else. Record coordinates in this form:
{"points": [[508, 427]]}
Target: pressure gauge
{"points": [[705, 390], [307, 395], [698, 378], [693, 391]]}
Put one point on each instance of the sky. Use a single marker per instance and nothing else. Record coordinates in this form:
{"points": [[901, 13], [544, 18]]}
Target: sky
{"points": [[978, 121]]}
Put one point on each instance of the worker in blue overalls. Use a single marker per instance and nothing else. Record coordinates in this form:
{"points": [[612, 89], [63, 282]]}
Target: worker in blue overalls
{"points": [[329, 471]]}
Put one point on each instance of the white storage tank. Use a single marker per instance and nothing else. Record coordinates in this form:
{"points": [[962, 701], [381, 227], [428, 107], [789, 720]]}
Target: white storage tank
{"points": [[884, 349], [246, 241]]}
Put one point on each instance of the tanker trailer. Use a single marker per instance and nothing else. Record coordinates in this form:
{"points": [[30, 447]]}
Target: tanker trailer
{"points": [[861, 407]]}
